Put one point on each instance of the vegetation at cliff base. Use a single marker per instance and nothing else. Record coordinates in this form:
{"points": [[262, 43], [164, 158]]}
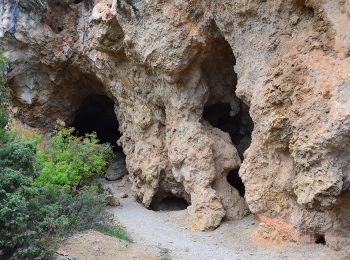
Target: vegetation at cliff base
{"points": [[47, 191], [70, 161]]}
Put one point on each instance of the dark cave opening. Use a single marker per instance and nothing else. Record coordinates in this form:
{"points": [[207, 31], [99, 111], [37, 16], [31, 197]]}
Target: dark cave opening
{"points": [[235, 181], [320, 239], [168, 203], [96, 114], [239, 126], [223, 109]]}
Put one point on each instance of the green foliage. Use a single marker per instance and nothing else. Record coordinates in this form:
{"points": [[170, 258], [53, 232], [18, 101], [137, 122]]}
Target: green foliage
{"points": [[3, 89], [30, 216], [116, 232], [18, 155], [16, 177], [69, 160], [3, 98], [33, 216], [4, 119]]}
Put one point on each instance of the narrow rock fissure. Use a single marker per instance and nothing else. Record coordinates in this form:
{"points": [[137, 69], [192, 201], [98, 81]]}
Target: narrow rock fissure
{"points": [[223, 109], [235, 181]]}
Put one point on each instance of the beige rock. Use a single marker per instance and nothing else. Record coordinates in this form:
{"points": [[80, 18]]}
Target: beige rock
{"points": [[123, 195], [112, 201], [163, 62]]}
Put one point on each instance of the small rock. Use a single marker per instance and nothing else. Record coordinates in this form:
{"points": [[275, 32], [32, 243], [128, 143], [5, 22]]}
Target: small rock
{"points": [[61, 251], [62, 257], [294, 20], [112, 201], [187, 249], [117, 170], [123, 195]]}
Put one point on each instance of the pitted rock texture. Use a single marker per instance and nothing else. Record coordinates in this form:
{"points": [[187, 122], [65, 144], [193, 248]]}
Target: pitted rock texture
{"points": [[164, 62]]}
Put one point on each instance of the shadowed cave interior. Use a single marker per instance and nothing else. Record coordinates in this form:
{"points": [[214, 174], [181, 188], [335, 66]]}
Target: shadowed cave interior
{"points": [[96, 114], [224, 110], [169, 203]]}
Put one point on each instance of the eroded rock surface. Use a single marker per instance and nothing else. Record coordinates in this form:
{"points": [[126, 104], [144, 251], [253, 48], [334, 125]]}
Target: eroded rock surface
{"points": [[165, 62]]}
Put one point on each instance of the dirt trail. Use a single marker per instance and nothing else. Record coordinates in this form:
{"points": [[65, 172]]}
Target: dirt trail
{"points": [[232, 240]]}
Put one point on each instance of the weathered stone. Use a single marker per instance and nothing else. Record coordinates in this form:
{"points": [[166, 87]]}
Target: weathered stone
{"points": [[112, 201], [123, 195], [117, 170], [163, 62]]}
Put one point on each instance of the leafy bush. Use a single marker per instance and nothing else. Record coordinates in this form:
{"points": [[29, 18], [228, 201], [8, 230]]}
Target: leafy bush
{"points": [[37, 202], [70, 160], [3, 90], [18, 155], [30, 216]]}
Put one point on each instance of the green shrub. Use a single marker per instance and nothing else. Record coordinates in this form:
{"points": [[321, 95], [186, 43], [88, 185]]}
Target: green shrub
{"points": [[31, 218], [18, 155], [3, 89], [3, 118], [70, 160]]}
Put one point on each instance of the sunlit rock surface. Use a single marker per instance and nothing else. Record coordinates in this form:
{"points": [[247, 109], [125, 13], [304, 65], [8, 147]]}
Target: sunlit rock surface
{"points": [[165, 62]]}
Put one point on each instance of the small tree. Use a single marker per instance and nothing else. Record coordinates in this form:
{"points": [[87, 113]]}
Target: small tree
{"points": [[69, 160]]}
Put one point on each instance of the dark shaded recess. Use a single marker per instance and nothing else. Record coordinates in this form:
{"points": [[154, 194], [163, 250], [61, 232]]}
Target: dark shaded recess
{"points": [[96, 114], [56, 15], [235, 181], [169, 203], [239, 127], [224, 110], [320, 239], [131, 3], [89, 4]]}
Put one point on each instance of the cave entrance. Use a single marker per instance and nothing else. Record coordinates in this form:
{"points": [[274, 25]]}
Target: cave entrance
{"points": [[238, 124], [96, 114], [235, 181], [168, 203], [223, 109]]}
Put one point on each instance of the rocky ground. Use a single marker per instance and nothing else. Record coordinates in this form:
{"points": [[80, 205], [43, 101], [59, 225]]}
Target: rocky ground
{"points": [[163, 235]]}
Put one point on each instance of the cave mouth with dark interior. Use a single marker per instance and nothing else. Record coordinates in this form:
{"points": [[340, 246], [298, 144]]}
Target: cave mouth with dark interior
{"points": [[223, 109], [96, 114], [168, 203], [235, 181]]}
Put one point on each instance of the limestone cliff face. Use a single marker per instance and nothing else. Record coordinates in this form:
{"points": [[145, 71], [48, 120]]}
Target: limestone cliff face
{"points": [[165, 62]]}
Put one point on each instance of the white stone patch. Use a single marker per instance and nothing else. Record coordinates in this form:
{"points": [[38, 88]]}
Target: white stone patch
{"points": [[343, 99], [26, 95]]}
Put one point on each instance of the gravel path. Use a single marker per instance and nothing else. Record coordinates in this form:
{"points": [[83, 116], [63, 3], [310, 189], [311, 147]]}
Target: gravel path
{"points": [[232, 240]]}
